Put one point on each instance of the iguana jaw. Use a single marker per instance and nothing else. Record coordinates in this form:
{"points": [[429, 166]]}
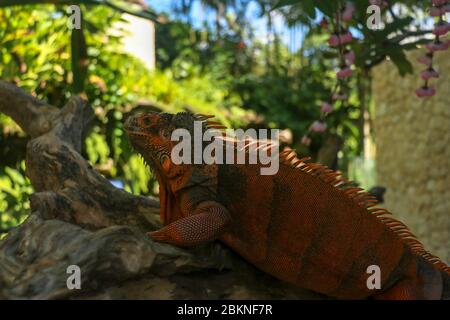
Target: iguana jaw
{"points": [[131, 127], [142, 139]]}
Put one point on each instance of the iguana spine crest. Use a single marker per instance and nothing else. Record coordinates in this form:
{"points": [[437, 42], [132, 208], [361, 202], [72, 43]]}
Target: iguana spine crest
{"points": [[363, 199]]}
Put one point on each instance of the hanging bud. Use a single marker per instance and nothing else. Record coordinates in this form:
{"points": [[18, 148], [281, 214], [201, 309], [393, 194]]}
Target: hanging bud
{"points": [[334, 41], [346, 38], [438, 45], [426, 60], [318, 126], [441, 28], [436, 12], [349, 57], [341, 39], [344, 73], [324, 23], [439, 2], [425, 91], [339, 96], [347, 13], [306, 140], [325, 107], [429, 73], [380, 3]]}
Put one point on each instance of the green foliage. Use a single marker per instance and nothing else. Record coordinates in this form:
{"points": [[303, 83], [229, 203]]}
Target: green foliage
{"points": [[35, 54], [15, 190], [122, 6]]}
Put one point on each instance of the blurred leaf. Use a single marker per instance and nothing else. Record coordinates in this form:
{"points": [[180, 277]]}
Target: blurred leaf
{"points": [[400, 60], [123, 6]]}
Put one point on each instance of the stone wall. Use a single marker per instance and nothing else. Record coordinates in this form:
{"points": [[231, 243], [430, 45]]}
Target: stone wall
{"points": [[412, 137]]}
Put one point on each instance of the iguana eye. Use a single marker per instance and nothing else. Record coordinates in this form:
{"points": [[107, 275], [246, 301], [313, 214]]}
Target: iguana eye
{"points": [[163, 158], [146, 122], [164, 133]]}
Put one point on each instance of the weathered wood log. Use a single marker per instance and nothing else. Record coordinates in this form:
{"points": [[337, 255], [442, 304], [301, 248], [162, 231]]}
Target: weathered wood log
{"points": [[79, 218]]}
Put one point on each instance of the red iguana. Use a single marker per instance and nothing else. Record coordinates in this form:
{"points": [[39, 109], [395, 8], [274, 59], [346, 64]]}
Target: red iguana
{"points": [[304, 225]]}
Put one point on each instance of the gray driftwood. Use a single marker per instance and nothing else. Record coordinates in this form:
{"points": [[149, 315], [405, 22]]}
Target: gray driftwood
{"points": [[78, 218]]}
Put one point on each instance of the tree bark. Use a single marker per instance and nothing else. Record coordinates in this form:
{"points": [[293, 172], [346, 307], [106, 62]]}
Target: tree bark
{"points": [[79, 218]]}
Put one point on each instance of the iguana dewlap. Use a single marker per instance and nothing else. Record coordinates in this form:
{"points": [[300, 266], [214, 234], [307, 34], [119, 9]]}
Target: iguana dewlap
{"points": [[303, 225]]}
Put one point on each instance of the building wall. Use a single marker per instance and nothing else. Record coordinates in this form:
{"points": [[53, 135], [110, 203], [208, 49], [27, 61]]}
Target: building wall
{"points": [[412, 138], [139, 39]]}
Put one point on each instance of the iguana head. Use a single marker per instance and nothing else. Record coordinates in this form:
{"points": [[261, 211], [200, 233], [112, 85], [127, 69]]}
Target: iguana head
{"points": [[150, 134]]}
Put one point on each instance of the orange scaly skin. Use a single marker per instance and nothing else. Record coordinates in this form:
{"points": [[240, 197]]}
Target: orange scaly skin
{"points": [[303, 225]]}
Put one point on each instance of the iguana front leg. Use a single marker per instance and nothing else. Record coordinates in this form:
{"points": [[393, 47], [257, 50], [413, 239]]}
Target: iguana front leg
{"points": [[206, 223]]}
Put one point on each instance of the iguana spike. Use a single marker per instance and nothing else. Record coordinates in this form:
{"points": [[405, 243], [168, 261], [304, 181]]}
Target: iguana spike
{"points": [[314, 166], [215, 127], [291, 156], [331, 177], [200, 118], [213, 123], [269, 146], [357, 196], [205, 115], [353, 191], [340, 182]]}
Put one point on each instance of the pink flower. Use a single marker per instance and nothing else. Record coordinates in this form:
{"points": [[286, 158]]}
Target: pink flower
{"points": [[429, 73], [306, 140], [349, 57], [339, 96], [344, 73], [347, 14], [436, 12], [380, 3], [326, 107], [324, 23], [446, 8], [425, 92], [318, 126], [336, 40], [438, 46], [426, 60], [441, 28], [346, 38], [438, 2]]}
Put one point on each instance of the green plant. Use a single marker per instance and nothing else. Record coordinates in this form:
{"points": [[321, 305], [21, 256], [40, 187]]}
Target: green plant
{"points": [[35, 55]]}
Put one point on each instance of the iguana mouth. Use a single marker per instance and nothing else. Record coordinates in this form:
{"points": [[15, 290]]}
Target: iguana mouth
{"points": [[136, 133]]}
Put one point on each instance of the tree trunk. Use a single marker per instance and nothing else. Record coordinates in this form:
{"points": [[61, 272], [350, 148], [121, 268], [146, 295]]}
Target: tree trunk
{"points": [[79, 218]]}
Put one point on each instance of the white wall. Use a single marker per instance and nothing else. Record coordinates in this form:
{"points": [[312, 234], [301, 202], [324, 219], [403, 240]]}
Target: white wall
{"points": [[140, 39]]}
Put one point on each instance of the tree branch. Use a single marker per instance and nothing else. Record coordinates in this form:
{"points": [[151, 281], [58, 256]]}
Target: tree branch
{"points": [[79, 218]]}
